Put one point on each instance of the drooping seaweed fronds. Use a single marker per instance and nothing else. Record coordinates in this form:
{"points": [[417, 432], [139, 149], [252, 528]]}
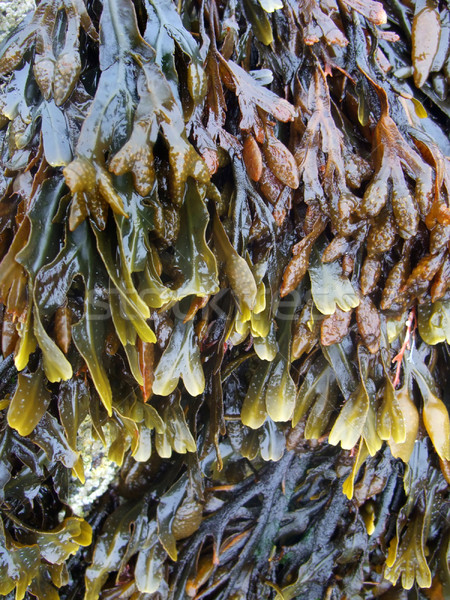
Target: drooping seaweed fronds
{"points": [[224, 246]]}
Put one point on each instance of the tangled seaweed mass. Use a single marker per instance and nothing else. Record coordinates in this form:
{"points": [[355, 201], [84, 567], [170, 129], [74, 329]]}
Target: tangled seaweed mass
{"points": [[224, 238]]}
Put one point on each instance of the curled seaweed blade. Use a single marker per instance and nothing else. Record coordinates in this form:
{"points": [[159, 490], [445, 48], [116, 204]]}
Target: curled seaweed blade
{"points": [[38, 252], [133, 230], [395, 158], [73, 406], [434, 322], [57, 545], [12, 271], [329, 287], [407, 558], [410, 416], [135, 308], [239, 274], [356, 418], [259, 21], [322, 409], [181, 358], [280, 392], [390, 420], [149, 569], [317, 384], [272, 443], [50, 436], [397, 416], [435, 414], [250, 95], [114, 97], [77, 257], [339, 357], [19, 565], [166, 514], [361, 456], [55, 135], [350, 422], [127, 335], [253, 412], [110, 547], [158, 109], [192, 256], [176, 434], [299, 263], [29, 403], [152, 289], [165, 32]]}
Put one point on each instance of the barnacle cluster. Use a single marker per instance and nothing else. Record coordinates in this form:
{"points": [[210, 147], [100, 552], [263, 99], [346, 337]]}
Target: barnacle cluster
{"points": [[224, 255], [12, 14]]}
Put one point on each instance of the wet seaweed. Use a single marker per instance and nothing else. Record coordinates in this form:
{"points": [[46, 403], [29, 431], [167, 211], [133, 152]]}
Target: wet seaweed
{"points": [[224, 253]]}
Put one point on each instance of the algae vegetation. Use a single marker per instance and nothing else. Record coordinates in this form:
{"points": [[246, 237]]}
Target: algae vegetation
{"points": [[224, 238]]}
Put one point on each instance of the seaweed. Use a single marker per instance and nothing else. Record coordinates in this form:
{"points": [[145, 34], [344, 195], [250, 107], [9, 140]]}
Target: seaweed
{"points": [[224, 259]]}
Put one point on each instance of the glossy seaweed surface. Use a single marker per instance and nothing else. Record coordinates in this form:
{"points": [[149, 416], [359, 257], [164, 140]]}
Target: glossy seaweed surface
{"points": [[224, 242]]}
